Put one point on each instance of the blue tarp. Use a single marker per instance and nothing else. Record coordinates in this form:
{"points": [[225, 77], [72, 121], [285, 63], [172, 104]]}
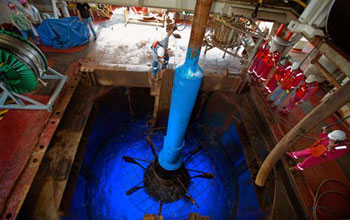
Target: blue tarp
{"points": [[63, 33]]}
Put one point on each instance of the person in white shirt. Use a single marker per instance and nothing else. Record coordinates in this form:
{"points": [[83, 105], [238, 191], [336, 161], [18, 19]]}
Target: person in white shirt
{"points": [[33, 15], [32, 12]]}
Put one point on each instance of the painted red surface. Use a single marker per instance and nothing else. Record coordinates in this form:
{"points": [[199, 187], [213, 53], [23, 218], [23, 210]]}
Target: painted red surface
{"points": [[14, 203], [51, 62], [28, 133], [19, 132]]}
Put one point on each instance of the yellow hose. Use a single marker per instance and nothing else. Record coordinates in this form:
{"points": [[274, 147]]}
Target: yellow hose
{"points": [[3, 112], [300, 3]]}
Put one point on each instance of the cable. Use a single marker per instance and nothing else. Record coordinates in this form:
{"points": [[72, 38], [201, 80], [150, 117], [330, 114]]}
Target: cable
{"points": [[318, 197], [177, 26], [339, 121]]}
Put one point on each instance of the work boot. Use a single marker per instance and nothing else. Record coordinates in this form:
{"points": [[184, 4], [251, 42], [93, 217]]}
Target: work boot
{"points": [[291, 155]]}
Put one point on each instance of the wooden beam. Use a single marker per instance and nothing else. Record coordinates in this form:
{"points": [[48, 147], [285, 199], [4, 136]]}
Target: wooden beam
{"points": [[120, 75], [197, 216], [65, 143], [330, 78], [335, 57], [152, 217], [322, 111]]}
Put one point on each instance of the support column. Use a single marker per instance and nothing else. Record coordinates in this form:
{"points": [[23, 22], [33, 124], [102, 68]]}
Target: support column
{"points": [[187, 81], [322, 111], [54, 9]]}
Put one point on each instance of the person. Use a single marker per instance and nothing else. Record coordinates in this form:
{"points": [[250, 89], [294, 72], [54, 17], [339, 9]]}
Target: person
{"points": [[303, 92], [31, 12], [291, 79], [262, 52], [268, 63], [21, 22], [86, 16], [330, 147], [33, 15], [160, 53], [277, 75]]}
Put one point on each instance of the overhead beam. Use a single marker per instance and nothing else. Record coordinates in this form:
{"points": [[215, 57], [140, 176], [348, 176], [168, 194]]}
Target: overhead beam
{"points": [[316, 116], [266, 12]]}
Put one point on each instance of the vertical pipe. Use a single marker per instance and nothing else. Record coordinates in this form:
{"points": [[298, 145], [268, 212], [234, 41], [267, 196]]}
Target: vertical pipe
{"points": [[54, 9], [289, 35], [187, 80], [280, 30]]}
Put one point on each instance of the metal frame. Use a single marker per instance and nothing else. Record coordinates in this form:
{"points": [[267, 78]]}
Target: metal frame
{"points": [[231, 34], [33, 104]]}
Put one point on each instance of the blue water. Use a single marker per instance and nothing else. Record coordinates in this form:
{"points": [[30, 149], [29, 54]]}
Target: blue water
{"points": [[105, 177]]}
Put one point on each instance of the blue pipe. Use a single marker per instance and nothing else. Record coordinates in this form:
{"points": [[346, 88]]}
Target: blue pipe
{"points": [[187, 81]]}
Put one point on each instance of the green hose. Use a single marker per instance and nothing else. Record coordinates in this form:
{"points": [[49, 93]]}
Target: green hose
{"points": [[17, 76]]}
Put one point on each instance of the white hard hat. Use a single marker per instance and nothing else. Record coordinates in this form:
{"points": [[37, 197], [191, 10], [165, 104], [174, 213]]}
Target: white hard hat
{"points": [[273, 48], [337, 135], [311, 79], [295, 65], [161, 51]]}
